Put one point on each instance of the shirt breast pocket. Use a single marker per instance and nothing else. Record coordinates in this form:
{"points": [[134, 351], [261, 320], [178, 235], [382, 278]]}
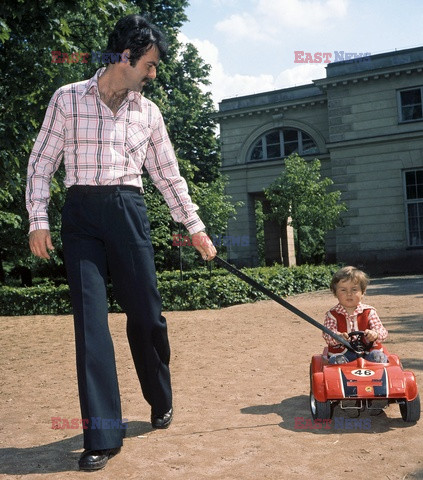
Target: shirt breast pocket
{"points": [[137, 138]]}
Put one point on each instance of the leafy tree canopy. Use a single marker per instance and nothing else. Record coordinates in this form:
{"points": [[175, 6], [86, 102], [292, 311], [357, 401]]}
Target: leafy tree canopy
{"points": [[29, 32], [301, 198]]}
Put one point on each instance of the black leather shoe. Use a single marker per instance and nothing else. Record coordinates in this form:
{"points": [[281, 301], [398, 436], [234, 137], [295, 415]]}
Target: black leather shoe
{"points": [[162, 421], [96, 459]]}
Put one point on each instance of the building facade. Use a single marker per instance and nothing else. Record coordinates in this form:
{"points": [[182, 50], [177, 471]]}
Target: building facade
{"points": [[364, 122]]}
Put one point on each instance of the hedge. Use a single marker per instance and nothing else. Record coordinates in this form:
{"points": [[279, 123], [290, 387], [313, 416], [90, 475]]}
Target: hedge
{"points": [[199, 289]]}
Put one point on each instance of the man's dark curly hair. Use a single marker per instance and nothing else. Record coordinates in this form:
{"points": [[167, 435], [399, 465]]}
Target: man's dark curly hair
{"points": [[136, 33]]}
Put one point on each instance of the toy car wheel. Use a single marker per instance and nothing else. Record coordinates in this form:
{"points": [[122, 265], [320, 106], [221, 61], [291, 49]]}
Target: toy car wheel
{"points": [[320, 410], [410, 411]]}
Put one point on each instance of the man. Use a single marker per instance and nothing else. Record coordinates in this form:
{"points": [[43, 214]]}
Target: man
{"points": [[105, 131]]}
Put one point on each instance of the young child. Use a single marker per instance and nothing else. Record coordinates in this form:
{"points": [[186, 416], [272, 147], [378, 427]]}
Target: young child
{"points": [[349, 286]]}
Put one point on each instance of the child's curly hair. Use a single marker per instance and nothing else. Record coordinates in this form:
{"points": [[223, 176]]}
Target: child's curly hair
{"points": [[350, 273]]}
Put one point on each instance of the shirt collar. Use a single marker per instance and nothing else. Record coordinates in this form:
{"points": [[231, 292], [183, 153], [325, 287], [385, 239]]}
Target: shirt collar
{"points": [[93, 85], [340, 309], [93, 82]]}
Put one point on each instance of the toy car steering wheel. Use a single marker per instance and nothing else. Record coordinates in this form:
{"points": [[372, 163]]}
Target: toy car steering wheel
{"points": [[358, 344]]}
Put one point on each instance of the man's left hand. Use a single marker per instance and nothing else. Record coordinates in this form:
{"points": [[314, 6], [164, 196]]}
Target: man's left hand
{"points": [[204, 245]]}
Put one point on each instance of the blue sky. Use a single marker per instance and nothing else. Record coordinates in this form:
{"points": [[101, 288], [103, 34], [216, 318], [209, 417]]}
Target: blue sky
{"points": [[250, 44]]}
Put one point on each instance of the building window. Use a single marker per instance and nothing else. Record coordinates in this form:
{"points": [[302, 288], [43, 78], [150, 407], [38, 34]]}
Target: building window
{"points": [[281, 143], [413, 182], [410, 102]]}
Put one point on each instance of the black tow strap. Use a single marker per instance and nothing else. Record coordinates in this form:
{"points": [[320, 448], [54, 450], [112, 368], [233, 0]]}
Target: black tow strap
{"points": [[281, 301]]}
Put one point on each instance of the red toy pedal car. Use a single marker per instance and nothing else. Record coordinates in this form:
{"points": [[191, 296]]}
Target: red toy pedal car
{"points": [[360, 384]]}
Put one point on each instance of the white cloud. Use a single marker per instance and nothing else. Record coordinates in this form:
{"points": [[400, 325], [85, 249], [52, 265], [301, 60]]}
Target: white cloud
{"points": [[271, 18], [224, 3], [243, 25], [222, 84], [300, 75], [302, 13]]}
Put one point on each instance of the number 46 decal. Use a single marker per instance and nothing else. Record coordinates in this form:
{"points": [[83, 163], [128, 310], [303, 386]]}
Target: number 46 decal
{"points": [[362, 372]]}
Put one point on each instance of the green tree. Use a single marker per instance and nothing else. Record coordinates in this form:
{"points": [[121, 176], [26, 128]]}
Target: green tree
{"points": [[259, 215], [29, 33], [302, 198], [215, 209]]}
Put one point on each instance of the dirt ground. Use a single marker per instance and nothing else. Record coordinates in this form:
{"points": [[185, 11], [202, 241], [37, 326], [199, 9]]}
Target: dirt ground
{"points": [[240, 379]]}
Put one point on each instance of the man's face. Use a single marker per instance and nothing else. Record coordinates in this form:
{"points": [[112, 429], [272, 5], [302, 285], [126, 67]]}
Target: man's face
{"points": [[144, 71]]}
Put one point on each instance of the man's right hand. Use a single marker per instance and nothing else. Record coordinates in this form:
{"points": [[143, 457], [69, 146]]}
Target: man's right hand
{"points": [[40, 243]]}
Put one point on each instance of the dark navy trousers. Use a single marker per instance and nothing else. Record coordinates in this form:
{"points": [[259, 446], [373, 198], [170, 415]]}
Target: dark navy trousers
{"points": [[105, 230]]}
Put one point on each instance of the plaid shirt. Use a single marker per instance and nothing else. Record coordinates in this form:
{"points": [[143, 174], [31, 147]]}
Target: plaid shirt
{"points": [[100, 149], [374, 322]]}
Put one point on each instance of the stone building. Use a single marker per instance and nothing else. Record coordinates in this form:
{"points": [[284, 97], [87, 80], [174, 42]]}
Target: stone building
{"points": [[364, 121]]}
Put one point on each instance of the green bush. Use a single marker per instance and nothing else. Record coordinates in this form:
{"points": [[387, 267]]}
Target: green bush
{"points": [[200, 289], [39, 300]]}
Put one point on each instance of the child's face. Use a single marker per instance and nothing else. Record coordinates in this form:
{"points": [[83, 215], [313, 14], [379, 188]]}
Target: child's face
{"points": [[349, 294]]}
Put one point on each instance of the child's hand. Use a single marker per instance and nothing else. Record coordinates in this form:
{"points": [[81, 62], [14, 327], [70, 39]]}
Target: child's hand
{"points": [[345, 335], [370, 335]]}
